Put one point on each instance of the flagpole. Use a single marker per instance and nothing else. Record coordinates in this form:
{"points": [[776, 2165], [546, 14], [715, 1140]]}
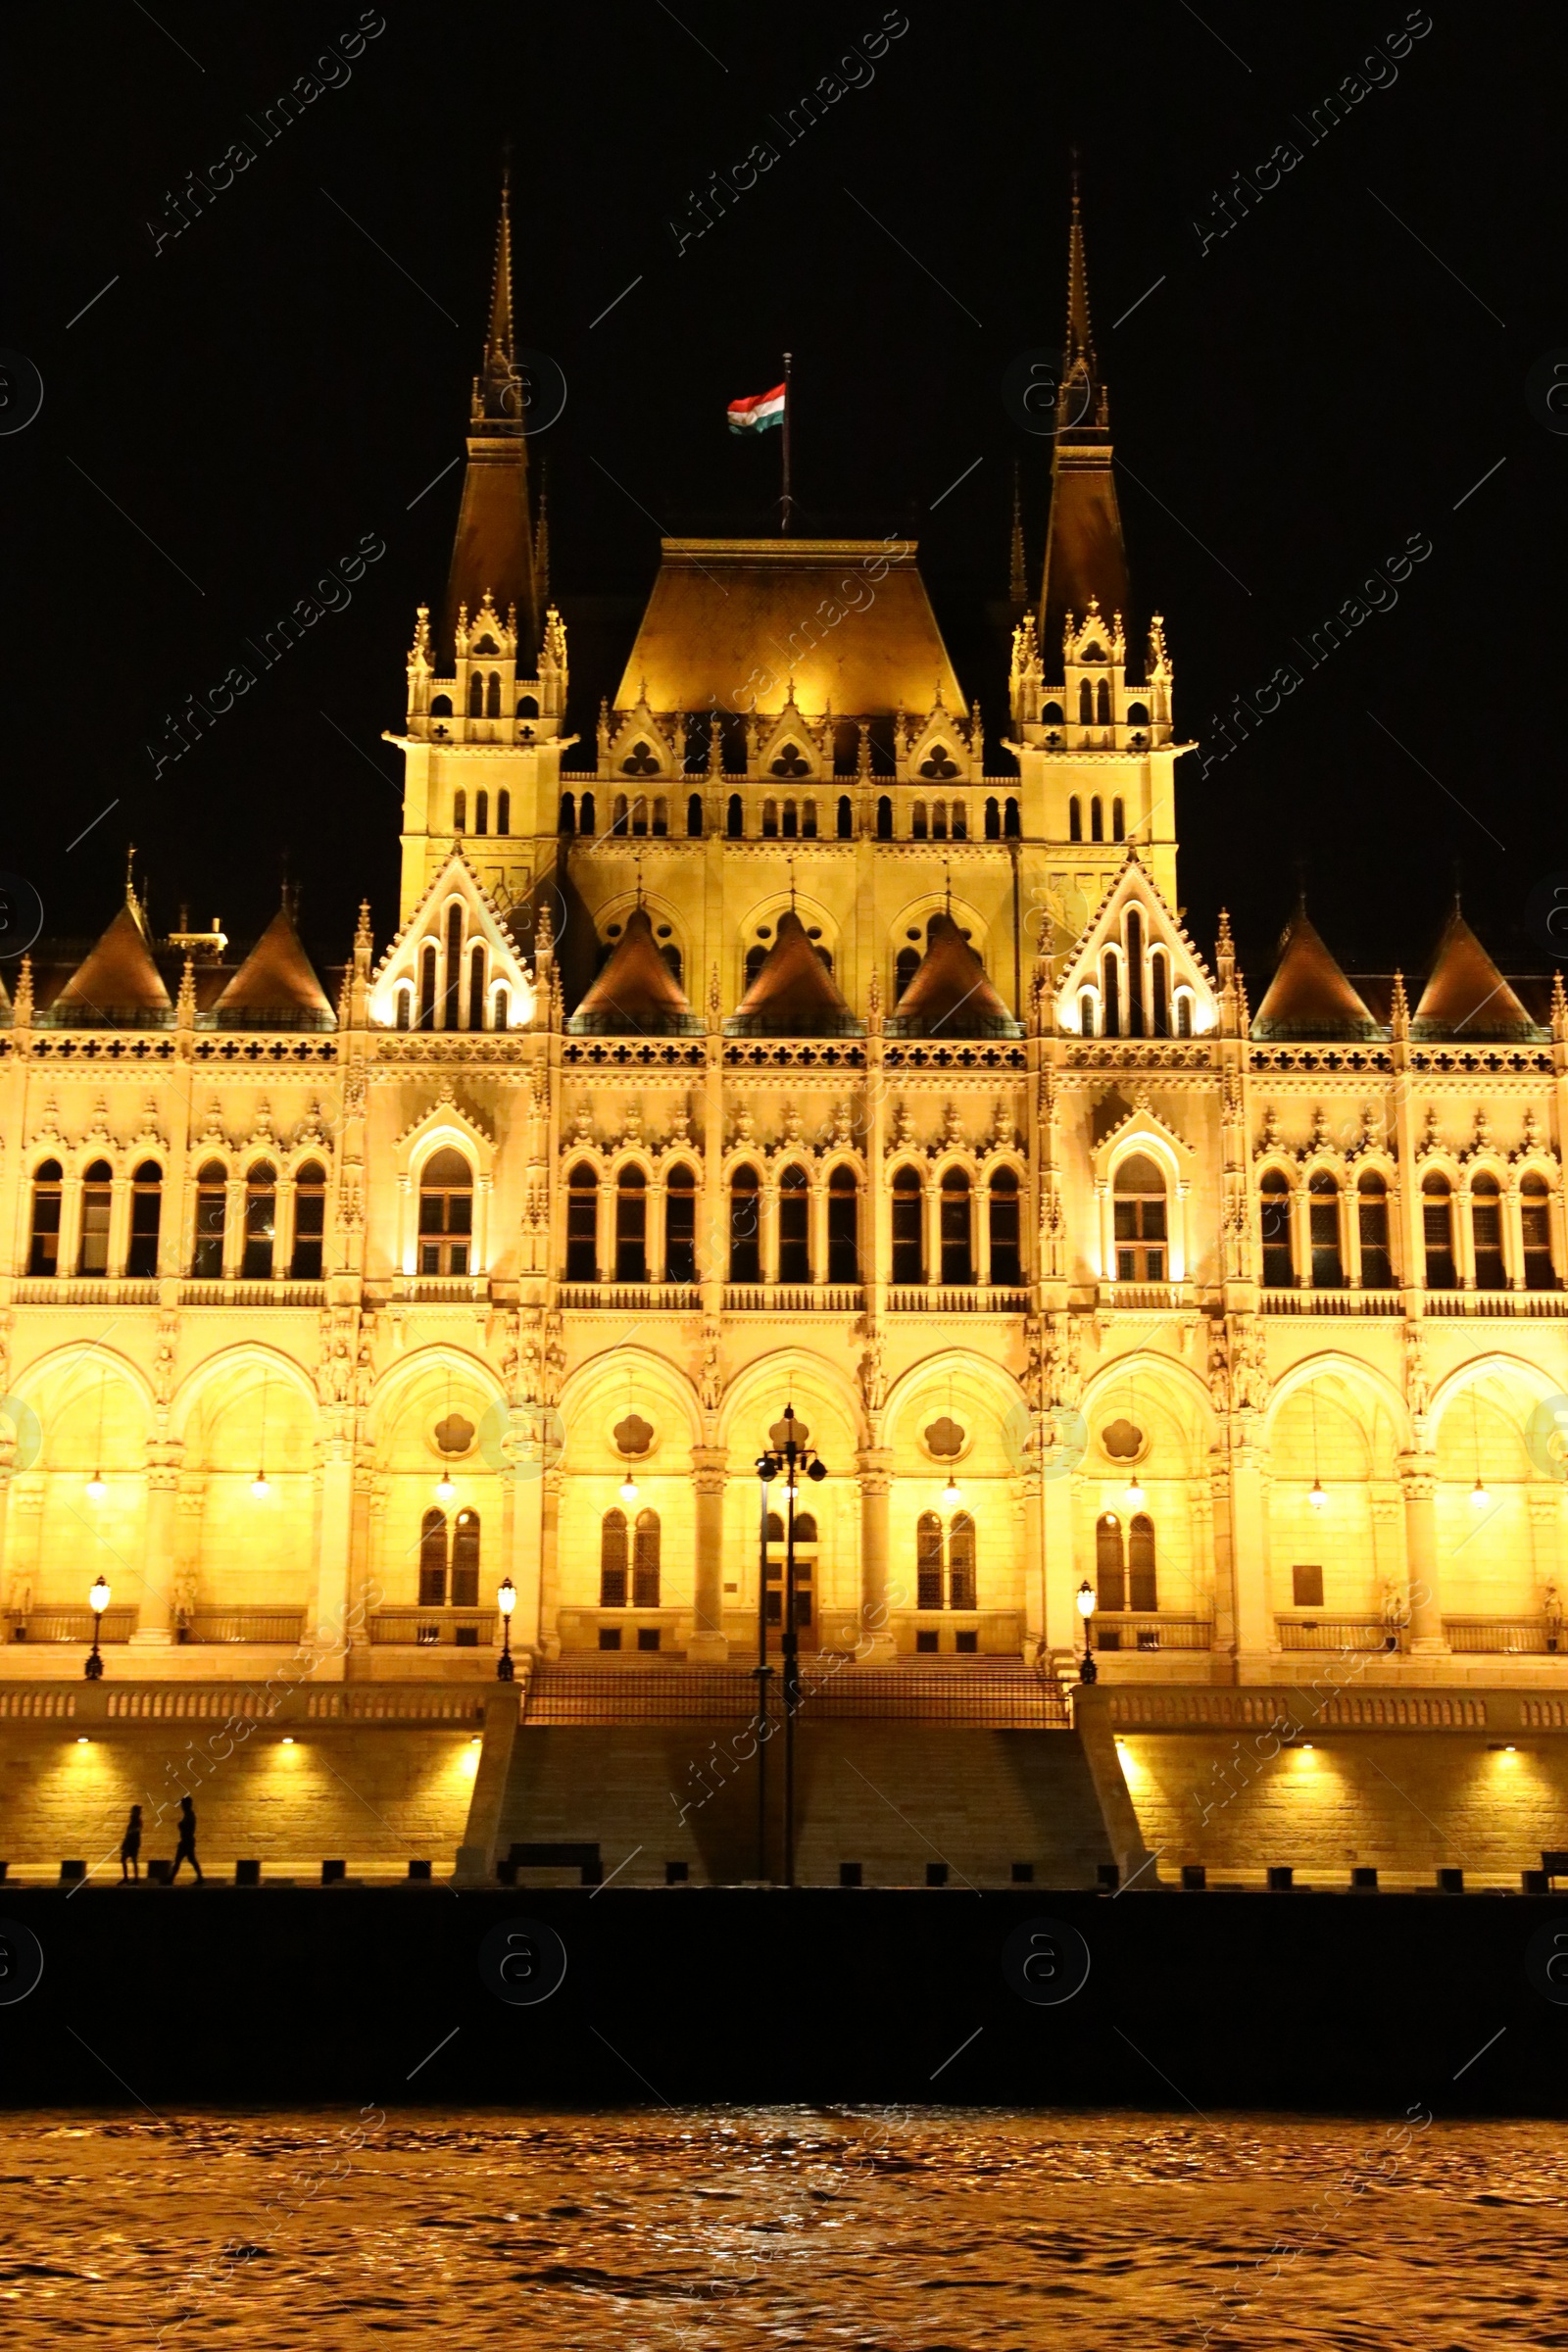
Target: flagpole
{"points": [[787, 503]]}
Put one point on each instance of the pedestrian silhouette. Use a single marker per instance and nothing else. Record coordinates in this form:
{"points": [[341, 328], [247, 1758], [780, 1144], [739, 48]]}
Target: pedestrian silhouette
{"points": [[130, 1847], [185, 1849]]}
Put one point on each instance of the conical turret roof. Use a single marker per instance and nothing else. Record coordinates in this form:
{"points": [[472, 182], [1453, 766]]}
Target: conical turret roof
{"points": [[1310, 994], [794, 995], [1466, 996], [950, 991], [636, 991], [277, 976], [118, 976]]}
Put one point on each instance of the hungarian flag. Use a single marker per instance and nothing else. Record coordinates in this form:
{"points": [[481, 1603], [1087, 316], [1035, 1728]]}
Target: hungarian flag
{"points": [[756, 414]]}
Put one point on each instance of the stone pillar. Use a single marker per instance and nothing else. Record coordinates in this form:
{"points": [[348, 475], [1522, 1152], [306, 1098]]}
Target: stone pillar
{"points": [[525, 1500], [1418, 1476], [709, 1475], [155, 1613], [24, 1536], [334, 1623], [932, 1198], [1058, 1556], [1254, 1616], [1226, 1607], [550, 1566], [875, 1467]]}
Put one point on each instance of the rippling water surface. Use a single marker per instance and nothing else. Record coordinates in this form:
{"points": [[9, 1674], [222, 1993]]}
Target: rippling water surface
{"points": [[911, 2229]]}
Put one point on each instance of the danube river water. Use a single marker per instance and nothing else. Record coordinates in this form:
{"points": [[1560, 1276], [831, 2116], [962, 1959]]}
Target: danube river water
{"points": [[706, 2229]]}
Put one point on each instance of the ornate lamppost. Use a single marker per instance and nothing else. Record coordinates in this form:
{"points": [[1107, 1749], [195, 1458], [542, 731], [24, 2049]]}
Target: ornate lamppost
{"points": [[792, 1456], [97, 1601], [506, 1602], [1088, 1672]]}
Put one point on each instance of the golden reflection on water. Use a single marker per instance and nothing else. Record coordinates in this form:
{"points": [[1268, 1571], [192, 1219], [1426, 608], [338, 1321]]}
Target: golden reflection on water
{"points": [[701, 2229]]}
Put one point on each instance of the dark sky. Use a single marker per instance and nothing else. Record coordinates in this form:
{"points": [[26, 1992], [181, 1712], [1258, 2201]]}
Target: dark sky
{"points": [[1328, 379]]}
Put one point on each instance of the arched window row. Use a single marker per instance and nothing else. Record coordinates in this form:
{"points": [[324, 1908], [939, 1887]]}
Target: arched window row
{"points": [[482, 811], [1126, 1579], [1108, 820], [1489, 1230], [631, 1235], [99, 1251], [950, 1255], [455, 982], [1135, 989], [629, 1560], [944, 1562]]}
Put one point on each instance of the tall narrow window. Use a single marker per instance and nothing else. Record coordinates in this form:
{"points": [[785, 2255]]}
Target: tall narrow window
{"points": [[884, 819], [1486, 1227], [958, 1254], [1009, 821], [960, 821], [212, 1207], [449, 1011], [807, 821], [645, 1562], [1436, 1231], [928, 1561], [1006, 1265], [1535, 1218], [612, 1560], [585, 817], [1372, 1217], [465, 1561], [1103, 703], [661, 816], [735, 817], [770, 820], [460, 812], [476, 987], [261, 1222], [97, 1193], [433, 1561], [427, 986], [503, 813], [918, 822], [446, 1213], [1184, 1014], [44, 1254], [908, 1223], [1110, 1584], [1136, 1024], [405, 1009], [1118, 822], [1086, 1014], [503, 1010], [620, 818], [1159, 991], [939, 820], [680, 1225], [1085, 703], [582, 1223], [1139, 1209], [146, 1210], [793, 1227], [310, 1223], [1274, 1202], [1075, 818], [1097, 818], [694, 816], [1143, 1591], [1323, 1220], [961, 1563], [843, 1240], [567, 816], [631, 1226], [745, 1230], [492, 701], [1111, 994], [846, 817], [481, 812], [790, 821], [905, 964]]}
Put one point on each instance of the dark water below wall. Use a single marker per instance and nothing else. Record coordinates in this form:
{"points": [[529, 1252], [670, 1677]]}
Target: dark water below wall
{"points": [[706, 2228]]}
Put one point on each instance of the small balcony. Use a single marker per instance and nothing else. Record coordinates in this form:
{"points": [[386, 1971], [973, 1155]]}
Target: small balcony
{"points": [[1365, 1635], [1333, 1303], [1140, 1630], [262, 1628], [957, 1299], [793, 1298], [72, 1625]]}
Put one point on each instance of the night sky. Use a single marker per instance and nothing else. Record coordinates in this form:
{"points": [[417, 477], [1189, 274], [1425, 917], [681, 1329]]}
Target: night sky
{"points": [[1296, 399]]}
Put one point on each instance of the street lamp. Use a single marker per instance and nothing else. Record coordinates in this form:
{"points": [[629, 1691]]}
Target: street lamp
{"points": [[97, 1601], [791, 1455], [1088, 1672], [506, 1602]]}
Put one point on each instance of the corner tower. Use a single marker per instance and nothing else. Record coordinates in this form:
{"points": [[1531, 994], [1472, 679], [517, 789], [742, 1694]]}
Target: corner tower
{"points": [[1091, 708], [487, 684]]}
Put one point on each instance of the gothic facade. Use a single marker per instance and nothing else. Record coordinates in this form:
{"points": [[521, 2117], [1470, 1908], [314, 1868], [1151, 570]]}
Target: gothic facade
{"points": [[783, 1042]]}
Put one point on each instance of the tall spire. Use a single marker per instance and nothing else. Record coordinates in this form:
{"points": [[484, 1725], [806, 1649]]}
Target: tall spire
{"points": [[1017, 569], [1078, 343], [1085, 555], [494, 549]]}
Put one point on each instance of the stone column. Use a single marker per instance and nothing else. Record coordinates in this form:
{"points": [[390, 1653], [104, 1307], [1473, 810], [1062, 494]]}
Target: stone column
{"points": [[709, 1475], [550, 1566], [334, 1623], [1250, 1565], [1418, 1476], [1058, 1556], [932, 1200], [875, 1467], [524, 1504], [1226, 1605], [25, 1535], [155, 1613]]}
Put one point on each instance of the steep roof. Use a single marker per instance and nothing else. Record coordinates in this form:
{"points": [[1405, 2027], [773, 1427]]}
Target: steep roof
{"points": [[733, 620], [1466, 996], [1310, 994], [794, 995], [494, 547], [119, 975], [277, 976], [1085, 553], [950, 991], [636, 988]]}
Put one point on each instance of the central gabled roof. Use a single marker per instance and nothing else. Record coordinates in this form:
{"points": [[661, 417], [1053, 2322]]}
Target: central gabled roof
{"points": [[731, 621]]}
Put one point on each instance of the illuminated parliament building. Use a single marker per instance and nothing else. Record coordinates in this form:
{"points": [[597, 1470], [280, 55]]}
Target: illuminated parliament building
{"points": [[779, 1035]]}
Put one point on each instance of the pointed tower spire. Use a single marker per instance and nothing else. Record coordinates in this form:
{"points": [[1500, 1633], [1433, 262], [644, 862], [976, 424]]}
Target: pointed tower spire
{"points": [[541, 543], [493, 554], [1078, 342], [1018, 568], [1085, 555]]}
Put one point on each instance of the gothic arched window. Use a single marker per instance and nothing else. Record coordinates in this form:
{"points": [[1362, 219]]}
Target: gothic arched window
{"points": [[146, 1211], [735, 817], [961, 1562], [612, 1560], [694, 816], [1086, 702], [1009, 821], [1138, 1210], [1372, 1220], [793, 1226], [1111, 994], [843, 1226], [928, 1561], [567, 820], [1118, 820], [908, 1226], [310, 1223], [1485, 1229], [465, 1561], [582, 1223], [1159, 991], [211, 1208], [790, 821], [476, 694], [846, 817], [1007, 1264], [770, 820], [680, 1224], [433, 1561], [449, 1010], [503, 813], [1436, 1231], [1110, 1587], [994, 821], [585, 817], [446, 1213], [427, 986], [97, 1193], [1274, 1199], [481, 812], [1097, 818], [645, 1561], [1535, 1218], [745, 1228], [460, 812], [917, 823], [958, 1252], [1103, 703], [1086, 1014], [261, 1222], [905, 964], [884, 819], [1323, 1220], [1142, 1589], [631, 1226], [492, 699]]}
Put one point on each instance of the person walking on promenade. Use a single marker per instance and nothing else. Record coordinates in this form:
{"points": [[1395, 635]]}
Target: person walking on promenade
{"points": [[185, 1848], [130, 1847]]}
